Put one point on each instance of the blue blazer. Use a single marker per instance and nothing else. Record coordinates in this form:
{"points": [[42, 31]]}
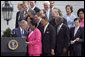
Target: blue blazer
{"points": [[17, 33]]}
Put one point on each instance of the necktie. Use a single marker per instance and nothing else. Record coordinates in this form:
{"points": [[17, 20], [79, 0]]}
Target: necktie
{"points": [[22, 33], [75, 31], [26, 13], [50, 9], [58, 29], [47, 14]]}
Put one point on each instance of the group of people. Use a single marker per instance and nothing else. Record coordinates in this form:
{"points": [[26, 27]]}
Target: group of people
{"points": [[48, 32]]}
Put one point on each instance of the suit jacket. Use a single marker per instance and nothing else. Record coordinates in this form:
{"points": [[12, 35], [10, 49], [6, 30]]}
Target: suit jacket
{"points": [[17, 16], [35, 46], [62, 39], [22, 17], [37, 9], [50, 16], [48, 40], [52, 21], [80, 34], [40, 27], [17, 33]]}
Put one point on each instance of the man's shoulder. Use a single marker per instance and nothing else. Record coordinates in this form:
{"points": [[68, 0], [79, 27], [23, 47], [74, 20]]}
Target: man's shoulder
{"points": [[36, 7], [51, 26], [72, 28], [16, 29]]}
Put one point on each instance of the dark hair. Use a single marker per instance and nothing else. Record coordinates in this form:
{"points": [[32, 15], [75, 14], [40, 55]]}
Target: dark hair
{"points": [[59, 20], [70, 7], [33, 22], [38, 14], [81, 9], [45, 18], [77, 19]]}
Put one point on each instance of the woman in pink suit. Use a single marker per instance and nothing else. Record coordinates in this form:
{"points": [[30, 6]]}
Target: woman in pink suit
{"points": [[34, 40]]}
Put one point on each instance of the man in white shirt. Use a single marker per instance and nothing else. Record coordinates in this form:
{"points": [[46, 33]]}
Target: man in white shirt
{"points": [[47, 9]]}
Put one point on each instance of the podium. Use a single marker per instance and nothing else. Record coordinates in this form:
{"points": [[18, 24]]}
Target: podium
{"points": [[13, 46]]}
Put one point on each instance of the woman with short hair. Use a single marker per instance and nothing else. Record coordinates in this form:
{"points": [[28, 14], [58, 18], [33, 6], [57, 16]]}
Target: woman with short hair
{"points": [[34, 40], [69, 16]]}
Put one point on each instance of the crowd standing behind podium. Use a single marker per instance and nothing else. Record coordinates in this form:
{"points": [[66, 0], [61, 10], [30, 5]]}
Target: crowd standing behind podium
{"points": [[48, 32]]}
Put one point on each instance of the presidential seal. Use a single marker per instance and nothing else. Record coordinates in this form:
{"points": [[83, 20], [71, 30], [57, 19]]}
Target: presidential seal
{"points": [[13, 44]]}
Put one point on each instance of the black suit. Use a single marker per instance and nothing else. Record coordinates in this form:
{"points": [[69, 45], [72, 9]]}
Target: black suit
{"points": [[17, 33], [52, 21], [62, 40], [76, 47], [37, 9], [83, 44], [40, 27], [48, 40], [17, 16]]}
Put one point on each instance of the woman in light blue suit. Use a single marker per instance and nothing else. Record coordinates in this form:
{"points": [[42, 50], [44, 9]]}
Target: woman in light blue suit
{"points": [[69, 16]]}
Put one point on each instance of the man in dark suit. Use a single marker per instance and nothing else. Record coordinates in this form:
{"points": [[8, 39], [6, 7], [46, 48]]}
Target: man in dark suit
{"points": [[26, 12], [20, 8], [48, 39], [52, 3], [47, 10], [33, 6], [55, 13], [23, 14], [62, 37], [76, 38], [20, 31], [39, 23]]}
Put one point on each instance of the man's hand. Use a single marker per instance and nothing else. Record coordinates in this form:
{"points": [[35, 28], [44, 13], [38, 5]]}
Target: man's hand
{"points": [[27, 42], [72, 42], [24, 37], [52, 52], [64, 50], [77, 39]]}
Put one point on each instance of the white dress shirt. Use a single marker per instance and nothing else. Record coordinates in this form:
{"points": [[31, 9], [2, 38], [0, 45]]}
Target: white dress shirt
{"points": [[30, 34], [45, 27], [59, 27], [76, 29], [33, 8], [48, 13]]}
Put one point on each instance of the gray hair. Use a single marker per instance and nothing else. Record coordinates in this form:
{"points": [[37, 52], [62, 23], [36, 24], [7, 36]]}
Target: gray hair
{"points": [[59, 20], [47, 2], [57, 10], [22, 23]]}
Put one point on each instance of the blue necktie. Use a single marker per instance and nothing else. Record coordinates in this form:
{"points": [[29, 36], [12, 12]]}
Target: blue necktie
{"points": [[22, 33]]}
